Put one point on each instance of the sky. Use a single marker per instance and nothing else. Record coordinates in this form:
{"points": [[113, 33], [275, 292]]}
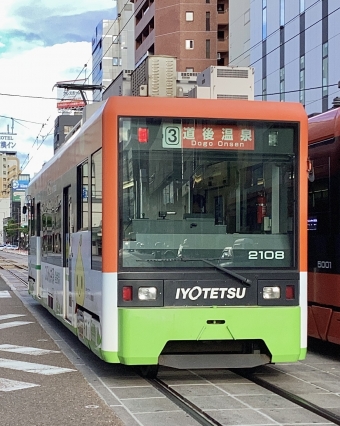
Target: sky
{"points": [[42, 42]]}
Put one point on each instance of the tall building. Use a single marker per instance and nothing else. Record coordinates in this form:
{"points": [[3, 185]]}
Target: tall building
{"points": [[10, 170], [113, 47], [294, 49], [196, 33]]}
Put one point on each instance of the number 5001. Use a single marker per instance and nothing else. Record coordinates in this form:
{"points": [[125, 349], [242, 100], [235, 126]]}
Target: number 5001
{"points": [[266, 254]]}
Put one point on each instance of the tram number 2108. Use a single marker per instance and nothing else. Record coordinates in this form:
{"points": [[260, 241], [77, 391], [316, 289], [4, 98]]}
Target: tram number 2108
{"points": [[266, 254]]}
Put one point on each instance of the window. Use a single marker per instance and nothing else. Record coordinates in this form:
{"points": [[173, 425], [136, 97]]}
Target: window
{"points": [[302, 6], [282, 84], [264, 89], [302, 80], [189, 16], [207, 49], [116, 62], [174, 199], [189, 69], [189, 44], [247, 17], [83, 193], [325, 69], [282, 12], [207, 21], [96, 210], [264, 19], [220, 35]]}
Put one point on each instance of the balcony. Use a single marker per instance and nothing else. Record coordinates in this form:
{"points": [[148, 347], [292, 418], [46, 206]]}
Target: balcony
{"points": [[147, 17], [223, 44], [145, 46], [223, 17]]}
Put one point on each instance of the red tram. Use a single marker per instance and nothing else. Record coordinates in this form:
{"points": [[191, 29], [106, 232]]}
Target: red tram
{"points": [[324, 227]]}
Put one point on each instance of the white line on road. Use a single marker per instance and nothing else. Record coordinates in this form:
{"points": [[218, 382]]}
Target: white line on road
{"points": [[26, 350], [4, 294], [9, 316], [31, 367], [14, 324], [12, 385]]}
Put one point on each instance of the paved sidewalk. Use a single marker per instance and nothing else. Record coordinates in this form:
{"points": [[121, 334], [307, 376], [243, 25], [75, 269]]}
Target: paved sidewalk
{"points": [[39, 386]]}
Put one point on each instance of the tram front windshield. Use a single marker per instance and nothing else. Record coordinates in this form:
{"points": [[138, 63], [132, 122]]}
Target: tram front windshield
{"points": [[199, 191]]}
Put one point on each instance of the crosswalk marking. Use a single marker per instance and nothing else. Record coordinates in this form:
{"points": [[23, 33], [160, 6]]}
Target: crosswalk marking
{"points": [[10, 316], [14, 324], [31, 367], [12, 385], [26, 350], [4, 294]]}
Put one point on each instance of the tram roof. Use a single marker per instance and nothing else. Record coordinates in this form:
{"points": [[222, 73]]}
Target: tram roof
{"points": [[324, 126]]}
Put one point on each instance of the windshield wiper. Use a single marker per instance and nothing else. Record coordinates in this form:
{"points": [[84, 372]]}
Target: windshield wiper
{"points": [[245, 281]]}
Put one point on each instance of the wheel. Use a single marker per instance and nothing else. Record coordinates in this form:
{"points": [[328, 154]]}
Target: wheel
{"points": [[149, 371]]}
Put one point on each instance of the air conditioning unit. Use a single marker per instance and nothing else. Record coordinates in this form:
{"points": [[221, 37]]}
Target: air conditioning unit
{"points": [[218, 56]]}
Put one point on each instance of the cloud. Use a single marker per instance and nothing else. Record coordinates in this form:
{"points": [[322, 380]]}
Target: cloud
{"points": [[33, 74], [42, 42]]}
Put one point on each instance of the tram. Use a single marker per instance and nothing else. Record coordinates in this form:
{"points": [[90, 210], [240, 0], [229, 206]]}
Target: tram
{"points": [[173, 232], [324, 227]]}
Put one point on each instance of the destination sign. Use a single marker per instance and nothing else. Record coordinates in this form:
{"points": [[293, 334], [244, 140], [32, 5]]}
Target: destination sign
{"points": [[212, 136]]}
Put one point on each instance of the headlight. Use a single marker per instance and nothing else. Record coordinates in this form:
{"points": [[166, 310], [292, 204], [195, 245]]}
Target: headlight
{"points": [[147, 293], [271, 293]]}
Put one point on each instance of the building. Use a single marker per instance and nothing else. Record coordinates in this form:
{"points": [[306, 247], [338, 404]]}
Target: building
{"points": [[10, 169], [63, 124], [196, 33], [293, 47], [112, 47]]}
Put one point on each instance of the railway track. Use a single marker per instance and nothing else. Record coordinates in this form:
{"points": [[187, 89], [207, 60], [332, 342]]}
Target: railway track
{"points": [[202, 416], [14, 268], [298, 400], [182, 402], [206, 419]]}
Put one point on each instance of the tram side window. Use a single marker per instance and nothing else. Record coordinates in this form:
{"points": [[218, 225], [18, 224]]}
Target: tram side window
{"points": [[57, 231], [48, 228], [319, 197], [83, 201], [96, 210], [32, 218]]}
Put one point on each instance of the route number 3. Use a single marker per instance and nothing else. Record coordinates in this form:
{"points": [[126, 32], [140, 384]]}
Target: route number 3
{"points": [[172, 135]]}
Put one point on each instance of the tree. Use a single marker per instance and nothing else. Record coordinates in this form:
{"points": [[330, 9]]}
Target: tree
{"points": [[11, 229], [14, 230]]}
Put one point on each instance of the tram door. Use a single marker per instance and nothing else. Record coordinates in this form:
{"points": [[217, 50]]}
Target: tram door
{"points": [[68, 308]]}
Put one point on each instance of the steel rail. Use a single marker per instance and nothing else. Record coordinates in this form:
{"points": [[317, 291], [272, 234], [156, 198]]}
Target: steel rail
{"points": [[322, 412], [191, 409]]}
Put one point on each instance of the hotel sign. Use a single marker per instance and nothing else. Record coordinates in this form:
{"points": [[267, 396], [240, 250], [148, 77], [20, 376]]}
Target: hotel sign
{"points": [[7, 141]]}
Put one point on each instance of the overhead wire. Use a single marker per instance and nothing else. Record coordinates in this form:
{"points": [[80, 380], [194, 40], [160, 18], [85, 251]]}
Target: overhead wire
{"points": [[93, 68], [252, 47], [296, 35], [28, 158], [241, 56]]}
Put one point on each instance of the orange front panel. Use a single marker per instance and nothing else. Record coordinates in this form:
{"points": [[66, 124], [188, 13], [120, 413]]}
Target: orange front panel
{"points": [[303, 196], [191, 108]]}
